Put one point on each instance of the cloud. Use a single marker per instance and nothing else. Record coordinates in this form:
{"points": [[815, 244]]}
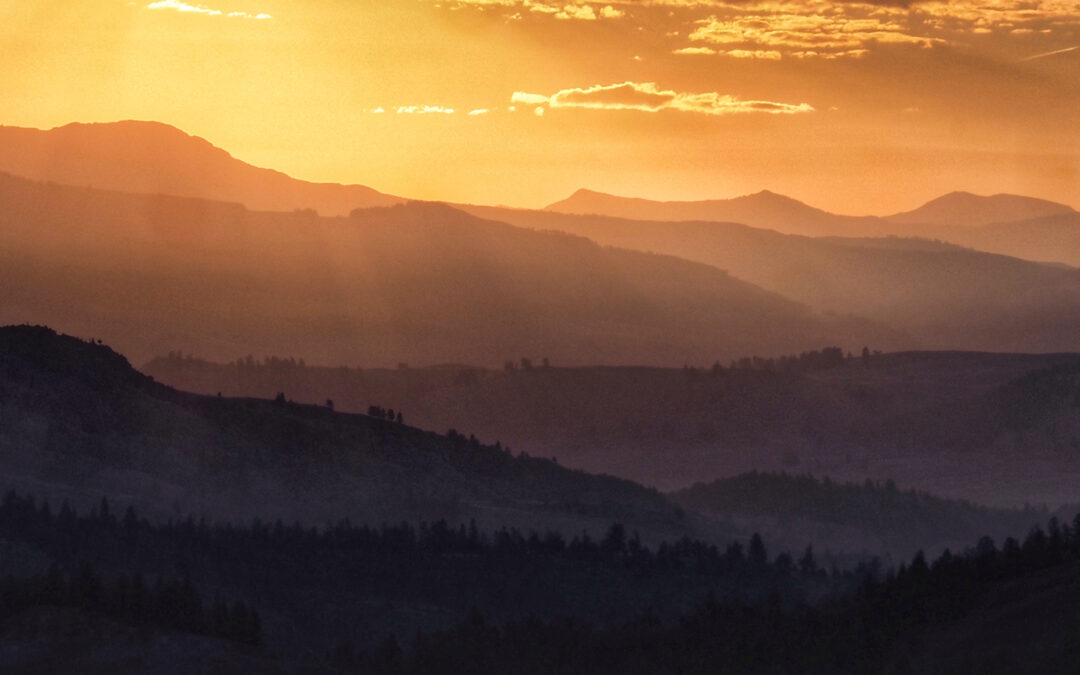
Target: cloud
{"points": [[423, 110], [770, 29], [527, 99], [768, 54], [179, 6], [582, 10], [647, 97], [695, 50], [827, 29], [579, 12], [478, 112], [1066, 50]]}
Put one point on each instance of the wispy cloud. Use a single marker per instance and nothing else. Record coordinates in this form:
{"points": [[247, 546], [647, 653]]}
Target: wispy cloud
{"points": [[776, 28], [647, 97], [828, 29], [423, 110], [1053, 53], [179, 6]]}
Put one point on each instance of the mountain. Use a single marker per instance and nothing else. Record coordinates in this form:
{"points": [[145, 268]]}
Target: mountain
{"points": [[417, 283], [154, 158], [848, 516], [944, 296], [763, 210], [1022, 227], [79, 423], [1010, 430], [1048, 238], [969, 210], [979, 610]]}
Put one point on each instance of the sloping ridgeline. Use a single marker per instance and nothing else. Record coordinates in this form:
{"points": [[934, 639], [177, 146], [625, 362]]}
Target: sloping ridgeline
{"points": [[77, 422], [850, 516]]}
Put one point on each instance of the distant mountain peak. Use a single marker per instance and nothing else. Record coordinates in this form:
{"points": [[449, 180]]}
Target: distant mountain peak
{"points": [[149, 157], [961, 208]]}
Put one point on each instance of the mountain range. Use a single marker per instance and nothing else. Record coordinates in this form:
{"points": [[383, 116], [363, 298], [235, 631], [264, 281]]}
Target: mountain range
{"points": [[769, 210], [185, 226], [79, 422], [154, 158], [419, 283], [991, 428], [942, 295]]}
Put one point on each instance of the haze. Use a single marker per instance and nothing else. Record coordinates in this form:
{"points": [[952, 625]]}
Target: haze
{"points": [[415, 337], [854, 107]]}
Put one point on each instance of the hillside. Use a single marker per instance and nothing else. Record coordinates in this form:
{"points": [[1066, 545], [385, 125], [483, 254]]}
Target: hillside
{"points": [[847, 516], [77, 422], [983, 610], [155, 158], [962, 425], [418, 283], [764, 209], [943, 296], [1050, 238], [968, 210]]}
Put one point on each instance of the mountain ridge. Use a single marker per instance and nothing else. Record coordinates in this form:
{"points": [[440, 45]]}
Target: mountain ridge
{"points": [[157, 158], [407, 283], [961, 208]]}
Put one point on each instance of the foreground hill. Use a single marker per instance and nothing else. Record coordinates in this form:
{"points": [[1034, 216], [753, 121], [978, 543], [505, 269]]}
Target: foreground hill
{"points": [[78, 423], [1011, 609], [412, 283], [969, 210], [944, 296], [155, 158], [991, 428]]}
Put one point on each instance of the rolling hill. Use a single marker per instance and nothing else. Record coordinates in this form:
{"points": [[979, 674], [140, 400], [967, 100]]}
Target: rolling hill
{"points": [[763, 210], [78, 422], [944, 296], [1053, 238], [155, 158], [994, 429], [418, 283], [963, 209], [848, 516]]}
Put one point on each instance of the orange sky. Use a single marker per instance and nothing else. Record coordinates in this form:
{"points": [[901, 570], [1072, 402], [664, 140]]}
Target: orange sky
{"points": [[855, 107]]}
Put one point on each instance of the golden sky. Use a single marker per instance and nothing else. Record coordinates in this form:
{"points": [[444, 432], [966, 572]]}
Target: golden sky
{"points": [[858, 107]]}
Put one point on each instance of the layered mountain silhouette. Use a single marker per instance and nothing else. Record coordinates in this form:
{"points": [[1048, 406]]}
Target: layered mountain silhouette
{"points": [[420, 283], [764, 209], [773, 211], [1053, 238], [991, 428], [1013, 225], [156, 158], [198, 255], [944, 295], [970, 210], [79, 422]]}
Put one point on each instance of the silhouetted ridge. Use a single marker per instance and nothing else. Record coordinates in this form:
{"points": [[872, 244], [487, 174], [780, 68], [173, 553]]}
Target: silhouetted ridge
{"points": [[415, 212], [764, 209], [970, 210], [155, 158], [44, 350]]}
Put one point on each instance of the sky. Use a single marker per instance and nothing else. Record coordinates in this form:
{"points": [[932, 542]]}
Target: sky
{"points": [[857, 107]]}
